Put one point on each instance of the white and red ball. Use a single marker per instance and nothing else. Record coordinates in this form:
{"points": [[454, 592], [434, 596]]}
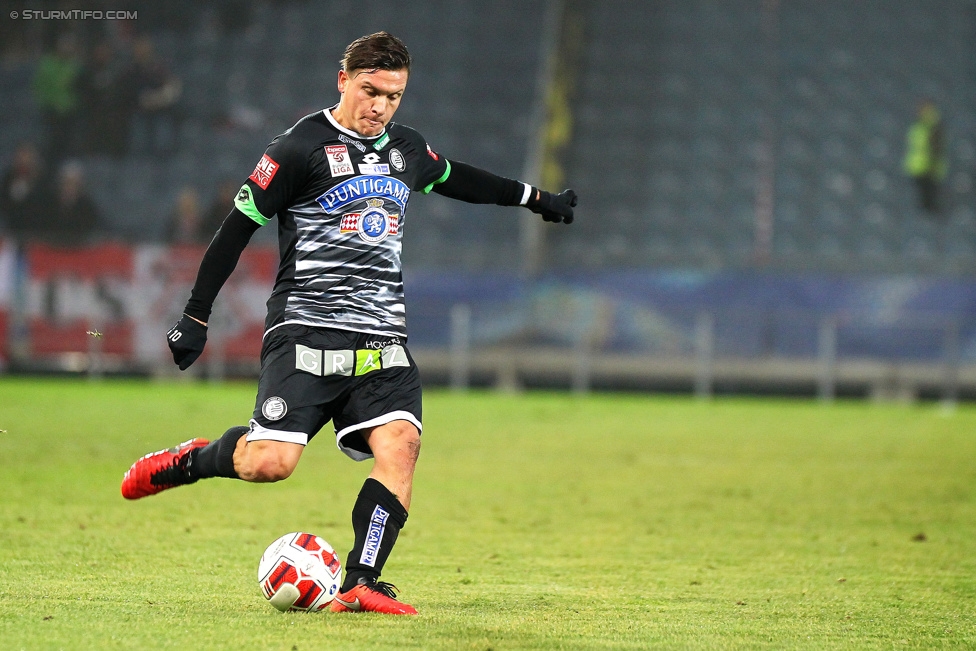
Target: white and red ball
{"points": [[300, 571]]}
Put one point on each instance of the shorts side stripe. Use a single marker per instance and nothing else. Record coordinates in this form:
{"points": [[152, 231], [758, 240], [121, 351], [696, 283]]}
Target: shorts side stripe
{"points": [[259, 433]]}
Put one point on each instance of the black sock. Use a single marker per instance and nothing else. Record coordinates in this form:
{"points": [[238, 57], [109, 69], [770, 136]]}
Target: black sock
{"points": [[377, 518], [217, 458]]}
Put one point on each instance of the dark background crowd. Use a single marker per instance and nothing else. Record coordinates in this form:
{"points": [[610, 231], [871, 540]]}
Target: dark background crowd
{"points": [[701, 134], [101, 90]]}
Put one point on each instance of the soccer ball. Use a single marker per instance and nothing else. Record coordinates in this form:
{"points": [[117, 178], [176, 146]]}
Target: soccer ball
{"points": [[299, 571]]}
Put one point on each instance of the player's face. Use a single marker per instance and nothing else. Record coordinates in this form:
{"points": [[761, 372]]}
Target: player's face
{"points": [[369, 99]]}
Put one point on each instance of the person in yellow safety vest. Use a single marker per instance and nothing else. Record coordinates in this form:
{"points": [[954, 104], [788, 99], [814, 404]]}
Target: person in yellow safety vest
{"points": [[925, 155]]}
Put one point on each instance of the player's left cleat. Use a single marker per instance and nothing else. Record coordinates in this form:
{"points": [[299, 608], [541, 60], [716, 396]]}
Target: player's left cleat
{"points": [[158, 471], [371, 597]]}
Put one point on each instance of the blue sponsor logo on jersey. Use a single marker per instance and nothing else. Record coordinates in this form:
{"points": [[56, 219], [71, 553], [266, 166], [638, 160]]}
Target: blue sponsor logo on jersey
{"points": [[365, 187]]}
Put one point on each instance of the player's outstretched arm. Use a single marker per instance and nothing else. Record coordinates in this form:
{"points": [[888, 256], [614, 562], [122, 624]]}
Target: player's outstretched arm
{"points": [[188, 337], [473, 185]]}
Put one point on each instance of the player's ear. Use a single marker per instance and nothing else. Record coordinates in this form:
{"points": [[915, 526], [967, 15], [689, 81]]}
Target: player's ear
{"points": [[343, 80]]}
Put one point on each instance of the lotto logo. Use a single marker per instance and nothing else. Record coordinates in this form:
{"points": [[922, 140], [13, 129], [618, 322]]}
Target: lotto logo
{"points": [[264, 172]]}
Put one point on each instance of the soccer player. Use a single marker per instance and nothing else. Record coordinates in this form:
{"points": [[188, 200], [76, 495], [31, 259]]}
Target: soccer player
{"points": [[335, 336]]}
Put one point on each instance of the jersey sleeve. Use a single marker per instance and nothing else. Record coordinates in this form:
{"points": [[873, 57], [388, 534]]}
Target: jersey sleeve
{"points": [[468, 183], [276, 180], [434, 168]]}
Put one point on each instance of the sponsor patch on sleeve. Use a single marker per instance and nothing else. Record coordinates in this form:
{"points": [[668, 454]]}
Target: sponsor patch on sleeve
{"points": [[244, 201], [264, 172], [432, 153]]}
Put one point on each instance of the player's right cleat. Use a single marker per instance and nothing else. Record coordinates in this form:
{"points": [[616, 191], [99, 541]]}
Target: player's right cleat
{"points": [[371, 597], [158, 471]]}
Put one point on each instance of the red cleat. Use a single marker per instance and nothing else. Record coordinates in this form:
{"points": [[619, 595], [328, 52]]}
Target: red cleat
{"points": [[376, 597], [158, 471]]}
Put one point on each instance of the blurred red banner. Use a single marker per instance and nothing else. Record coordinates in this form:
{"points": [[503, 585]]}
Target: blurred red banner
{"points": [[120, 300]]}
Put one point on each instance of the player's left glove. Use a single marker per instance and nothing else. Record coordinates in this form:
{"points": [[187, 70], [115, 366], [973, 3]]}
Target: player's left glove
{"points": [[186, 340], [554, 208]]}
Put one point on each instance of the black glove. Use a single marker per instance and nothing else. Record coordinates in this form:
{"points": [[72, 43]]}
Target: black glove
{"points": [[553, 207], [186, 340]]}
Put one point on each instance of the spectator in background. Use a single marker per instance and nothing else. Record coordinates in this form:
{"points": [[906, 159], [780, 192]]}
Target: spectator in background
{"points": [[56, 93], [185, 224], [105, 114], [22, 191], [156, 92], [72, 217], [220, 207], [925, 155]]}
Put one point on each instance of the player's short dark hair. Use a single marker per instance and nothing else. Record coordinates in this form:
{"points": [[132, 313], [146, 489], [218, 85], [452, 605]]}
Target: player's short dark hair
{"points": [[379, 51]]}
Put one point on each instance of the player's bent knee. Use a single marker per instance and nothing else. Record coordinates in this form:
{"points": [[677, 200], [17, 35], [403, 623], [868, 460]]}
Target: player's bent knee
{"points": [[397, 441], [267, 461], [409, 449]]}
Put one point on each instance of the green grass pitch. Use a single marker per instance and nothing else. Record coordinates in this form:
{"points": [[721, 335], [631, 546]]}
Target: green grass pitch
{"points": [[540, 521]]}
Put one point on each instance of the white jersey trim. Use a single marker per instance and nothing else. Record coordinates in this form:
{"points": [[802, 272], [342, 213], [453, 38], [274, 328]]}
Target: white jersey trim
{"points": [[348, 132], [259, 433], [526, 193], [331, 327], [356, 455]]}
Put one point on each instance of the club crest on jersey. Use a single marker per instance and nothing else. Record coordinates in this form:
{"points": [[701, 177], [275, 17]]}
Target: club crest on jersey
{"points": [[374, 224], [264, 171], [397, 160], [338, 157]]}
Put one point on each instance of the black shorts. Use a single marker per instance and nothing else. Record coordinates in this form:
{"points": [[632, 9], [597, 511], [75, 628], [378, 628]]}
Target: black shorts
{"points": [[311, 375]]}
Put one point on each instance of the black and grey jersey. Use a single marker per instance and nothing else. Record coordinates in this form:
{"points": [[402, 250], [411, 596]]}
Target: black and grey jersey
{"points": [[341, 201]]}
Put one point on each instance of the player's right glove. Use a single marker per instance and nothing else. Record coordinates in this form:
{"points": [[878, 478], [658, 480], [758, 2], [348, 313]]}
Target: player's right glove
{"points": [[186, 340], [554, 208]]}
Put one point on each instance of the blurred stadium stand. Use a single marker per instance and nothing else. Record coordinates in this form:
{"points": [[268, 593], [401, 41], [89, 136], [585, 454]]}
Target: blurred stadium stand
{"points": [[242, 88], [671, 99], [682, 113]]}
